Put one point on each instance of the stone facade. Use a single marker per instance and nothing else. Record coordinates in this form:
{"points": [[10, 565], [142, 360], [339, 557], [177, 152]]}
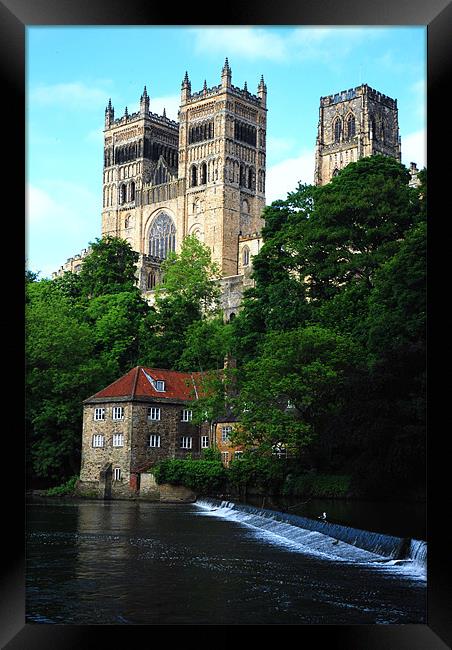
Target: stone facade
{"points": [[222, 430], [126, 435], [354, 124], [203, 175]]}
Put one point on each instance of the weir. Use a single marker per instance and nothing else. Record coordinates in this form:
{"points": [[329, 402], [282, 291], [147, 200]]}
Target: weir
{"points": [[286, 525]]}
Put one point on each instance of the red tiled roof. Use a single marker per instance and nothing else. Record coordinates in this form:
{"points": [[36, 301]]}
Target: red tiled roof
{"points": [[135, 383]]}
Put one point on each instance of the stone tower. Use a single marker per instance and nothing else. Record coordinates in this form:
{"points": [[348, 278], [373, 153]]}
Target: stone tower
{"points": [[354, 124], [204, 175]]}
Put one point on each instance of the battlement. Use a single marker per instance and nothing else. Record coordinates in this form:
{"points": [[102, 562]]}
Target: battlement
{"points": [[353, 93], [127, 118], [232, 90], [71, 263]]}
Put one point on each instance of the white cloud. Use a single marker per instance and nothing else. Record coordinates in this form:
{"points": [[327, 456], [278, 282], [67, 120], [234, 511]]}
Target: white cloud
{"points": [[414, 149], [285, 176], [61, 218], [248, 42], [170, 103], [74, 95], [315, 43]]}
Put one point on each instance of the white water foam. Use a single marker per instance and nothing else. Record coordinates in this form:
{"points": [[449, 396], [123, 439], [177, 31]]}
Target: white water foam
{"points": [[315, 543]]}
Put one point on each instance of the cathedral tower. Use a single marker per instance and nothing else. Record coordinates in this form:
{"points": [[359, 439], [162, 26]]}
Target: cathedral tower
{"points": [[222, 159], [354, 124], [204, 175]]}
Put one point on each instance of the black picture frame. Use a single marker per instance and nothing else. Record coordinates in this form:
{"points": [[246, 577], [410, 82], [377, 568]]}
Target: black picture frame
{"points": [[436, 15]]}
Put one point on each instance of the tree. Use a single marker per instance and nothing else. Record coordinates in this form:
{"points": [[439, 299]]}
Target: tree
{"points": [[189, 294], [110, 267], [61, 371], [291, 392]]}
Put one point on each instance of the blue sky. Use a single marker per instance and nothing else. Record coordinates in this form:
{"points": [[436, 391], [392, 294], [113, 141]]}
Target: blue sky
{"points": [[73, 71]]}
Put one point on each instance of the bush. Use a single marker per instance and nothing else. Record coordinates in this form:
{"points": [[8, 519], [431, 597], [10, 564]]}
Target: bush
{"points": [[258, 471], [316, 485], [202, 476], [63, 490]]}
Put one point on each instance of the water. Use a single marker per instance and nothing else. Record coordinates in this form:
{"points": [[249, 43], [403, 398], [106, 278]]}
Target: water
{"points": [[400, 518], [144, 563]]}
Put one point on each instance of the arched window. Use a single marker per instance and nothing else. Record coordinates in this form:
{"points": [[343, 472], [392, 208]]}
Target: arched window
{"points": [[373, 128], [127, 221], [123, 194], [246, 256], [250, 178], [337, 129], [152, 280], [132, 191], [162, 236], [241, 176], [351, 126], [336, 172], [203, 174], [193, 176]]}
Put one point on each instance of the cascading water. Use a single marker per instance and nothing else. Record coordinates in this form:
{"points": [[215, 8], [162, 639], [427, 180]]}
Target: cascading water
{"points": [[321, 537]]}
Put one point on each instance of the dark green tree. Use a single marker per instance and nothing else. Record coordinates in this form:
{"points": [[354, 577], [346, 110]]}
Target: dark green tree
{"points": [[110, 267]]}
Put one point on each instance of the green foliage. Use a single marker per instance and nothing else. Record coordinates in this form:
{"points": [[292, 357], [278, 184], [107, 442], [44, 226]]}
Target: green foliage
{"points": [[259, 470], [206, 344], [202, 476], [316, 485], [66, 489], [110, 267]]}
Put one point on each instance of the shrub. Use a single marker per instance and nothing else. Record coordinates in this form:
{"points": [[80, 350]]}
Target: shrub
{"points": [[316, 485], [202, 476], [64, 489]]}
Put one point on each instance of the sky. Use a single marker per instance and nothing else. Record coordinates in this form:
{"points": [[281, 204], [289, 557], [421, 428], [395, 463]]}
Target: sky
{"points": [[73, 71]]}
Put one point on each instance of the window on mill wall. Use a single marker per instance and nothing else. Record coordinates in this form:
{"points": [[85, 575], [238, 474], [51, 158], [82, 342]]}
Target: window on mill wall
{"points": [[162, 236]]}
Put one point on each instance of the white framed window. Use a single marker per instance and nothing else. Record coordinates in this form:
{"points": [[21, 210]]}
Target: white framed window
{"points": [[153, 413], [225, 433], [204, 442], [118, 440], [237, 454], [98, 440], [118, 413], [153, 440], [186, 442], [187, 415], [99, 414], [117, 474], [225, 457], [160, 385]]}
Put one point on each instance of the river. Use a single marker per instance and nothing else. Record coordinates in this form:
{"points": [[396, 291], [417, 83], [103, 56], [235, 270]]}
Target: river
{"points": [[119, 562]]}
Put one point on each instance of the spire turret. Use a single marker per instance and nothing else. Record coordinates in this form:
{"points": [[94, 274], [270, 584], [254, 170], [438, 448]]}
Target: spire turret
{"points": [[144, 102], [226, 75], [109, 114], [262, 91], [185, 88]]}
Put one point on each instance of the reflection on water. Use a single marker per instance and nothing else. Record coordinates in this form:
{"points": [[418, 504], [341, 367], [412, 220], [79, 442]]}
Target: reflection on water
{"points": [[144, 563]]}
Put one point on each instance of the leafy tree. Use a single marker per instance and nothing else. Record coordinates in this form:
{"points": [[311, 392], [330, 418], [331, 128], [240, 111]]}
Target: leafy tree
{"points": [[187, 295], [207, 342], [290, 392], [110, 267], [61, 371]]}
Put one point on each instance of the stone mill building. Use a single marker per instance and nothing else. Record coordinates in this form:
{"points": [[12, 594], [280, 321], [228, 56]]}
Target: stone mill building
{"points": [[128, 426]]}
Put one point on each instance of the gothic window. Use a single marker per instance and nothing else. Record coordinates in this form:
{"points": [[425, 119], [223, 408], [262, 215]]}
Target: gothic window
{"points": [[250, 179], [351, 126], [245, 206], [123, 193], [127, 221], [337, 128], [203, 174], [246, 256], [242, 176], [373, 128], [132, 191], [336, 172], [162, 236], [152, 280], [193, 176]]}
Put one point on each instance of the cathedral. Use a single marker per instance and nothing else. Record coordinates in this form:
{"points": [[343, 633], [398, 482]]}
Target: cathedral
{"points": [[205, 174]]}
